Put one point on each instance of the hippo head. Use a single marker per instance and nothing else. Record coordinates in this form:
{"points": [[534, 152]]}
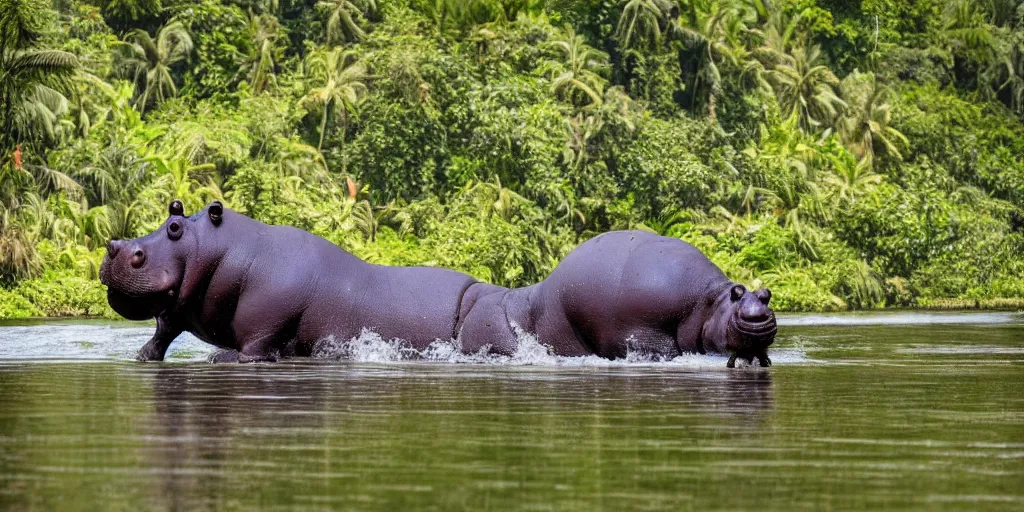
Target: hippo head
{"points": [[144, 275], [742, 325]]}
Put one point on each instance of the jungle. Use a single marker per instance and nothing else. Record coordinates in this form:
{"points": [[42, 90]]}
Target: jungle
{"points": [[848, 154]]}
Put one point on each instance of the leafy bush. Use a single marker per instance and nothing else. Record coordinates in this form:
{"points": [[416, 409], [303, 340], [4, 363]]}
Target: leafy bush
{"points": [[13, 305], [670, 165], [61, 294]]}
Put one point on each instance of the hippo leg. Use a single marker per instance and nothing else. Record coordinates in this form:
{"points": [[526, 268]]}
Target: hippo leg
{"points": [[224, 356], [487, 327], [732, 362], [257, 350], [257, 358], [156, 347], [259, 324], [764, 361]]}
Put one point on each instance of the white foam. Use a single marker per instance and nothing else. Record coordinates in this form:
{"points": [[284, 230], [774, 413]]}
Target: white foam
{"points": [[371, 347], [122, 341]]}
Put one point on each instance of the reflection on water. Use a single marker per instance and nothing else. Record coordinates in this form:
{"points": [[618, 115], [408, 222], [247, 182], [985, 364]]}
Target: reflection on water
{"points": [[366, 434], [866, 416]]}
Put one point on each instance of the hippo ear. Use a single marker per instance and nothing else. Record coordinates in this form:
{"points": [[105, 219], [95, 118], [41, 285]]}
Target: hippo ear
{"points": [[216, 212], [764, 295], [737, 292], [176, 208]]}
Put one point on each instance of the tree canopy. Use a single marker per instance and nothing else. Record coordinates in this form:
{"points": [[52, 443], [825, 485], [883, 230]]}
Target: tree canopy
{"points": [[849, 155]]}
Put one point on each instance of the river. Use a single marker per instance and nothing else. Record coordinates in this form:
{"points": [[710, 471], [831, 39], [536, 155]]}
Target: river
{"points": [[860, 411]]}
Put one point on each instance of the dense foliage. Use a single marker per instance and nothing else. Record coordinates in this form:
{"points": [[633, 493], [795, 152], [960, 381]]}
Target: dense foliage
{"points": [[848, 154]]}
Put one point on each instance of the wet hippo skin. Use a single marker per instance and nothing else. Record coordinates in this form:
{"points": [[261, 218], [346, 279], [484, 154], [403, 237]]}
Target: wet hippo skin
{"points": [[261, 291]]}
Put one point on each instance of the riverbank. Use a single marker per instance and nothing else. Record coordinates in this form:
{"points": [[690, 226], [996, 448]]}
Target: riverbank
{"points": [[997, 304], [93, 305]]}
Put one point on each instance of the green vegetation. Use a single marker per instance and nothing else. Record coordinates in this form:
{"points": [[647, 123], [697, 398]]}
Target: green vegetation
{"points": [[847, 154]]}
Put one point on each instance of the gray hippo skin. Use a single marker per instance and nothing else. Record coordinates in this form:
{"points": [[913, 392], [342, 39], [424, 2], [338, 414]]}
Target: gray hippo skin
{"points": [[626, 291], [242, 285], [260, 290]]}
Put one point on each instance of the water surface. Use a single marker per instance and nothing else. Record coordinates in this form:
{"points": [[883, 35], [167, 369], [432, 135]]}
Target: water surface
{"points": [[909, 410]]}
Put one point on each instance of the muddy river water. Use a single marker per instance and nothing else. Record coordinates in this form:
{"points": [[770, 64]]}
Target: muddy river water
{"points": [[896, 410]]}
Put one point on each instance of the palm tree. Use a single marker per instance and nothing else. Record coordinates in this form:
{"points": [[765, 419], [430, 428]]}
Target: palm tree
{"points": [[38, 114], [132, 9], [640, 21], [177, 178], [853, 178], [70, 222], [341, 77], [711, 33], [777, 38], [865, 122], [578, 77], [795, 205], [148, 61], [806, 87], [465, 14], [580, 129], [488, 199], [114, 175], [264, 54], [91, 102], [31, 78], [747, 196], [343, 17], [671, 223], [293, 158]]}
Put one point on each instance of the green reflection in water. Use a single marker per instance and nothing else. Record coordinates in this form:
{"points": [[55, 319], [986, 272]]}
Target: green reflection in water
{"points": [[897, 416]]}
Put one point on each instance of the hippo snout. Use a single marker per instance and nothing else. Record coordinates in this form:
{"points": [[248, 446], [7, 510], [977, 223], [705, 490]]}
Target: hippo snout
{"points": [[752, 327], [114, 247], [754, 312]]}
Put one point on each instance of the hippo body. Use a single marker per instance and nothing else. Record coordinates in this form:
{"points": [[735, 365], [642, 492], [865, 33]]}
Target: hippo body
{"points": [[264, 290], [619, 292], [243, 285]]}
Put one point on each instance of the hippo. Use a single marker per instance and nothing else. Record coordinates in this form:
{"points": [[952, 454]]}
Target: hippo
{"points": [[260, 291], [257, 290], [626, 291]]}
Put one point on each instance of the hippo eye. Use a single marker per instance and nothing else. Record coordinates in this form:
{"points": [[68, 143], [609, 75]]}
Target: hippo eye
{"points": [[737, 292], [174, 230], [216, 212], [176, 208]]}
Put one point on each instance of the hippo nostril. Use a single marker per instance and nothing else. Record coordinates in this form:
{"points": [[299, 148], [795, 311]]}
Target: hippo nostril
{"points": [[138, 258], [756, 316], [754, 312]]}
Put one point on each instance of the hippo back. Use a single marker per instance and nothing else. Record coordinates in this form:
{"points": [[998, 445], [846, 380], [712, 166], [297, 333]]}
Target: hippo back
{"points": [[628, 284]]}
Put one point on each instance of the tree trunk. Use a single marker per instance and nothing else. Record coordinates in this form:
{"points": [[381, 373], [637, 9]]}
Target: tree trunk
{"points": [[323, 128]]}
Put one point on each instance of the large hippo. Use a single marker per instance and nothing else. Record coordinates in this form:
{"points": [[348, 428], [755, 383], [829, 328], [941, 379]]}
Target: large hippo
{"points": [[242, 285], [262, 290], [626, 291]]}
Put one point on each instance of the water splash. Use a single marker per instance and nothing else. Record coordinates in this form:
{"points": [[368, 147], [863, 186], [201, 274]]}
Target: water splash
{"points": [[371, 347], [64, 341]]}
